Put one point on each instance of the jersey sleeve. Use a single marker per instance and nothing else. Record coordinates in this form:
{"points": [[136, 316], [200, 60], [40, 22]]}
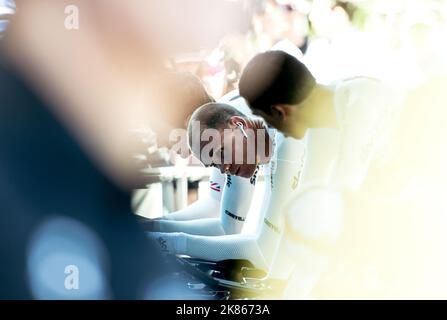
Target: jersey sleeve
{"points": [[206, 207]]}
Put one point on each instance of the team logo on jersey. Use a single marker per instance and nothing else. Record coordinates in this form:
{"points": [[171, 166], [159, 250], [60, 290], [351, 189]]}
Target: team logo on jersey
{"points": [[272, 226], [254, 176], [272, 172], [296, 178], [215, 186], [235, 217], [295, 181], [228, 180]]}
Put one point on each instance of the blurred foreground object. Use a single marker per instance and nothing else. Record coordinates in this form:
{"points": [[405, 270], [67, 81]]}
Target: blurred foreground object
{"points": [[69, 98]]}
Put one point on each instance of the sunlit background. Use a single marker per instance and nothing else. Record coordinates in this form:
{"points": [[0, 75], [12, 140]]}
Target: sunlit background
{"points": [[393, 239]]}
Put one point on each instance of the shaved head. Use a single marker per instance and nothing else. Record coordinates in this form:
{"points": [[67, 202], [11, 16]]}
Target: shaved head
{"points": [[212, 116]]}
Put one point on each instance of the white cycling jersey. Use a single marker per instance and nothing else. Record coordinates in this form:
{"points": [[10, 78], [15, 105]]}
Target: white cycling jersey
{"points": [[225, 207], [281, 176]]}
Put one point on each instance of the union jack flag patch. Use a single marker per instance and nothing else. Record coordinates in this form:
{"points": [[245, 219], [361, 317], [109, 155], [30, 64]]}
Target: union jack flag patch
{"points": [[215, 186]]}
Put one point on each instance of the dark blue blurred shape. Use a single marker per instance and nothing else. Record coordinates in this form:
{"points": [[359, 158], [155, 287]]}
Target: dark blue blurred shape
{"points": [[44, 173]]}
